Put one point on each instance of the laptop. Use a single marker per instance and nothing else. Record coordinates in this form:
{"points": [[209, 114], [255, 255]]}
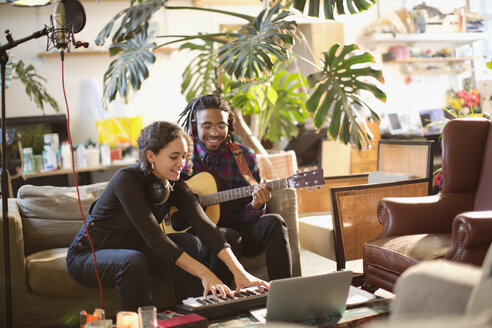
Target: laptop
{"points": [[305, 298], [433, 120]]}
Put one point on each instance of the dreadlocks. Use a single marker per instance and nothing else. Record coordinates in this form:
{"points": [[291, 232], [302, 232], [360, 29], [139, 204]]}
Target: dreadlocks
{"points": [[187, 118]]}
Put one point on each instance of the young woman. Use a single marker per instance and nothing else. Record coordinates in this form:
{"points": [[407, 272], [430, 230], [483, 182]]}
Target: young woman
{"points": [[123, 225]]}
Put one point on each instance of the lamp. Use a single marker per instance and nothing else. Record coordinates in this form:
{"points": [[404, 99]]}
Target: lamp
{"points": [[29, 3]]}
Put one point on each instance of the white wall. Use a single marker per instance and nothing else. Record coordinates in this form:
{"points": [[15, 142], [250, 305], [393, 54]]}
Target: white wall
{"points": [[159, 97]]}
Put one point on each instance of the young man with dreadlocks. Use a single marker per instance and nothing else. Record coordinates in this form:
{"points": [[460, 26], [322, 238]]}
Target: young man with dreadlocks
{"points": [[244, 224]]}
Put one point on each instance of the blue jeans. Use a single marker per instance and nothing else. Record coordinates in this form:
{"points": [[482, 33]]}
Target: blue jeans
{"points": [[128, 269]]}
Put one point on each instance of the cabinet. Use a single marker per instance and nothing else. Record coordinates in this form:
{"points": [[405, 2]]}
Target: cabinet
{"points": [[339, 159], [456, 39], [319, 37]]}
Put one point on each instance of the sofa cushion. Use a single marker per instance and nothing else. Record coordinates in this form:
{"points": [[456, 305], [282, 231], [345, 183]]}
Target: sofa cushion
{"points": [[256, 265], [51, 215], [57, 203], [47, 275], [284, 202], [432, 288], [396, 254]]}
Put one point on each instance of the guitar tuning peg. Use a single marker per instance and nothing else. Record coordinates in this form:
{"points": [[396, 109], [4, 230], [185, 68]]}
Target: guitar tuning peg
{"points": [[298, 171], [315, 167], [310, 188], [306, 170], [318, 187]]}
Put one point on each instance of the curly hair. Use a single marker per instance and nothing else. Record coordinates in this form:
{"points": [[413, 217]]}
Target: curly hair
{"points": [[157, 136], [187, 118]]}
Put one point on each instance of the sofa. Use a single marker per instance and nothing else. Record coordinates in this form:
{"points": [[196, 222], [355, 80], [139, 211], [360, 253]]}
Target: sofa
{"points": [[43, 220]]}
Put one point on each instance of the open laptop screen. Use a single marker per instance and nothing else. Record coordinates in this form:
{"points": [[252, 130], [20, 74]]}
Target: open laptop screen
{"points": [[304, 298], [432, 120]]}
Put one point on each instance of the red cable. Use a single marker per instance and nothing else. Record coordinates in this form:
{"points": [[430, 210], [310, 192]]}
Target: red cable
{"points": [[62, 56]]}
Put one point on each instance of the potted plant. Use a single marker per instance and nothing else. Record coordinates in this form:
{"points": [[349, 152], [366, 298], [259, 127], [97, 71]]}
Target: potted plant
{"points": [[242, 65]]}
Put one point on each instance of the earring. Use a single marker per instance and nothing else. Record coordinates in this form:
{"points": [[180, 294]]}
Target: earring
{"points": [[152, 165]]}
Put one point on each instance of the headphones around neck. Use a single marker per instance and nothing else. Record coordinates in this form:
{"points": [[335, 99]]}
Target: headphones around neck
{"points": [[157, 191]]}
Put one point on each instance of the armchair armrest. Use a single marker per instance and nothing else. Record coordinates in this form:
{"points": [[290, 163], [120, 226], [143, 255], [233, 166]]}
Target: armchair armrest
{"points": [[17, 258], [471, 237], [284, 202], [414, 215]]}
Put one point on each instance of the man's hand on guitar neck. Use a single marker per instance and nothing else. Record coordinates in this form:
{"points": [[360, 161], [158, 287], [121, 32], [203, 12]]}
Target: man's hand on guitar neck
{"points": [[261, 194]]}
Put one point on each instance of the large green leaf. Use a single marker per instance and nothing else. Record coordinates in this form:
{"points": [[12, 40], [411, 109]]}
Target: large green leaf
{"points": [[329, 6], [33, 84], [279, 100], [199, 77], [337, 95], [127, 72], [133, 19], [250, 53]]}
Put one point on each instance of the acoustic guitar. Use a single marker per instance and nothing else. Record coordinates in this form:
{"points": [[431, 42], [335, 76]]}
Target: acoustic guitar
{"points": [[205, 187]]}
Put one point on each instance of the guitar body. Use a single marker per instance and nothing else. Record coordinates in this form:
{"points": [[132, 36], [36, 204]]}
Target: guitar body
{"points": [[205, 186], [201, 184]]}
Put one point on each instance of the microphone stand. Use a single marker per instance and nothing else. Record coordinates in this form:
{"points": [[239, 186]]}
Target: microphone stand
{"points": [[11, 43]]}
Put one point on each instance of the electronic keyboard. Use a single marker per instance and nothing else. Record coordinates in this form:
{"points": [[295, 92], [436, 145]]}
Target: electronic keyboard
{"points": [[210, 308]]}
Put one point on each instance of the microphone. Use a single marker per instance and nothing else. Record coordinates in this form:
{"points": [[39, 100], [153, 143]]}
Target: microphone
{"points": [[69, 18]]}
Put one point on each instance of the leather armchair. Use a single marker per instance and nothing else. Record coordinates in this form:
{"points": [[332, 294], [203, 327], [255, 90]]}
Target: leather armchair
{"points": [[455, 225]]}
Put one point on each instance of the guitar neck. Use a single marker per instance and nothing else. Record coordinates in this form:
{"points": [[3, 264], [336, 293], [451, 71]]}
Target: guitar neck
{"points": [[227, 195]]}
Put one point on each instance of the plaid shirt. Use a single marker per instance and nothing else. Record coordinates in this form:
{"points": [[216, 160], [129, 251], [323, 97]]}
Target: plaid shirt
{"points": [[223, 166]]}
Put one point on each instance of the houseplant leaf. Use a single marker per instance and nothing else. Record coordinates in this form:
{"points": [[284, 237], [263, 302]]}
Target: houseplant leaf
{"points": [[250, 53], [199, 77], [127, 72], [133, 19], [33, 84], [279, 99], [329, 7], [338, 90]]}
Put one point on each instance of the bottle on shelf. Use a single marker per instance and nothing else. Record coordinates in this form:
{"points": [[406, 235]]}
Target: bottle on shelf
{"points": [[66, 155]]}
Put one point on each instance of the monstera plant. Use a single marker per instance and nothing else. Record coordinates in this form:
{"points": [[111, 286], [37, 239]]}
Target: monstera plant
{"points": [[32, 82], [248, 67]]}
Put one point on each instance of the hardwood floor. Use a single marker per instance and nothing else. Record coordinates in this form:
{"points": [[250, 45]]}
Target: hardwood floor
{"points": [[313, 264]]}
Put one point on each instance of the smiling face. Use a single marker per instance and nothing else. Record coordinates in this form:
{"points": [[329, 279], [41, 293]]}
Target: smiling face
{"points": [[170, 160], [212, 127]]}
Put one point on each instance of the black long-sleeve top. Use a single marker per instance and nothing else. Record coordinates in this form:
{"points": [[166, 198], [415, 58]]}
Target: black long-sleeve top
{"points": [[132, 219]]}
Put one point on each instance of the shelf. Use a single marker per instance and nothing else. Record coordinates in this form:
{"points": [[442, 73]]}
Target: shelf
{"points": [[430, 60], [436, 71], [30, 175], [459, 38], [91, 52]]}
